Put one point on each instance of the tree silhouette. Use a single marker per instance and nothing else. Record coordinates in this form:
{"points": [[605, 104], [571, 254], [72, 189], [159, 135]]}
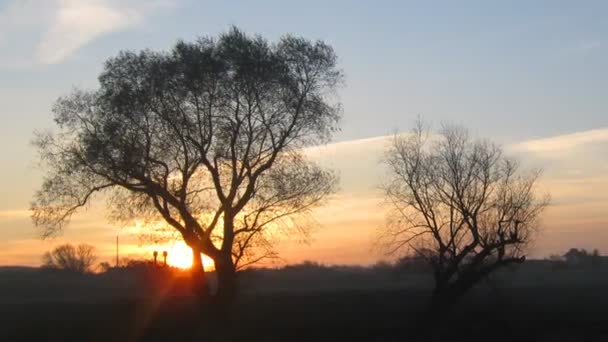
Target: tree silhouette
{"points": [[460, 204], [77, 259], [207, 138]]}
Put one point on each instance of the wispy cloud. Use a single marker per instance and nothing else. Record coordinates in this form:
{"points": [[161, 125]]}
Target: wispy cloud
{"points": [[79, 22], [52, 31], [10, 214], [563, 143], [574, 174], [583, 47], [576, 180]]}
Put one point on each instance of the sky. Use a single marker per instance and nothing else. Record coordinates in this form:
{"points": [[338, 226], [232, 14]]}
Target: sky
{"points": [[531, 76]]}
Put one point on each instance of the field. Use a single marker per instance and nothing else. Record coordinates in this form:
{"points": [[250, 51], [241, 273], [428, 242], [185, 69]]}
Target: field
{"points": [[309, 303]]}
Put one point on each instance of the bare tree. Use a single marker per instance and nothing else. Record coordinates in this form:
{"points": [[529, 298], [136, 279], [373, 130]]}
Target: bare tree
{"points": [[206, 138], [77, 259], [459, 203]]}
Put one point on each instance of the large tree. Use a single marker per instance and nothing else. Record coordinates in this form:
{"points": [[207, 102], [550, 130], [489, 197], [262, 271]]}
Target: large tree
{"points": [[459, 203], [207, 137]]}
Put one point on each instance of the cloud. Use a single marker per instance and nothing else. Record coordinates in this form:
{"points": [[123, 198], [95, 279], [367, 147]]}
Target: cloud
{"points": [[79, 22], [357, 162], [574, 174], [583, 47], [49, 32], [576, 180], [563, 143], [14, 213], [574, 165]]}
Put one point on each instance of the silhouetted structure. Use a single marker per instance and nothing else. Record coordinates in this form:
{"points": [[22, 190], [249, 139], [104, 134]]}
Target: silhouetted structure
{"points": [[155, 255]]}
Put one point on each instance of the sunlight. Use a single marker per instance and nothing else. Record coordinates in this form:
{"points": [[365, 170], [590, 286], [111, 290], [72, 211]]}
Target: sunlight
{"points": [[180, 255]]}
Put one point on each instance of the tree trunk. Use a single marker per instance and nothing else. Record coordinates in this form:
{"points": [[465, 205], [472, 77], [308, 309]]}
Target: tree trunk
{"points": [[199, 277], [442, 301], [226, 282], [432, 321], [446, 294]]}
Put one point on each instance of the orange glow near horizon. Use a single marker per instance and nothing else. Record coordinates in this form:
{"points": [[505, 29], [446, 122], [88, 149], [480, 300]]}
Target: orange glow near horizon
{"points": [[180, 255]]}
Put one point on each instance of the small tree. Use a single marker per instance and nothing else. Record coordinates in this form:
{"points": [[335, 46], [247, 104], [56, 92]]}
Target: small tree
{"points": [[206, 138], [460, 204], [596, 258], [77, 259], [104, 266]]}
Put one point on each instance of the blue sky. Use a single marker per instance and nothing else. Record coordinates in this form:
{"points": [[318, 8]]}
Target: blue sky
{"points": [[514, 71]]}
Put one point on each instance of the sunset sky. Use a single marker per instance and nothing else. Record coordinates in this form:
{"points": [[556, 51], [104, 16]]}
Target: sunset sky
{"points": [[532, 76]]}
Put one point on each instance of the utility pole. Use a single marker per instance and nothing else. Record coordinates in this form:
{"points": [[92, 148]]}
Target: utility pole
{"points": [[116, 250]]}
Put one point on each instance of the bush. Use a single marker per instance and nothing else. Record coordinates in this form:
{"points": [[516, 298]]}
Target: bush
{"points": [[78, 259]]}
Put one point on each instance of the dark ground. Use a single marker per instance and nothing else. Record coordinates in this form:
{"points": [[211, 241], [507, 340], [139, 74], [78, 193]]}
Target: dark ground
{"points": [[303, 305]]}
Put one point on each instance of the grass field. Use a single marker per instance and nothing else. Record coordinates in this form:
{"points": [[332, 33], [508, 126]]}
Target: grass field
{"points": [[331, 305]]}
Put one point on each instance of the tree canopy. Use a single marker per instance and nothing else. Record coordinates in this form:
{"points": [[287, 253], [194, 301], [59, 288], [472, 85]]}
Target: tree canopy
{"points": [[207, 137], [77, 259], [459, 203]]}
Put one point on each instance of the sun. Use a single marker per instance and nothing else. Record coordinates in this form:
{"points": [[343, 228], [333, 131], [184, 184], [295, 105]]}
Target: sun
{"points": [[180, 255]]}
